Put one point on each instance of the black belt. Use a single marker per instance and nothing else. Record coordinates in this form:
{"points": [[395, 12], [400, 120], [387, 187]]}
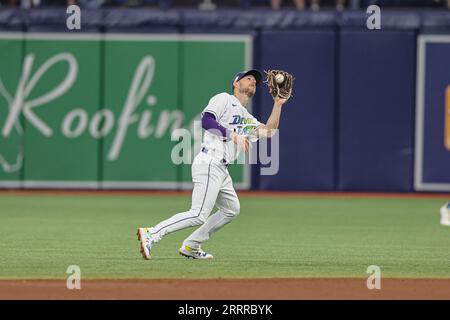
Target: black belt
{"points": [[223, 161]]}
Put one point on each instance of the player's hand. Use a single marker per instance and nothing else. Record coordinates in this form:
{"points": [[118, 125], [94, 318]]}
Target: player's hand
{"points": [[241, 141], [279, 101]]}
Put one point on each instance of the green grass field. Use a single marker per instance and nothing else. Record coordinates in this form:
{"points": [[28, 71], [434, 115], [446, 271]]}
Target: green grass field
{"points": [[41, 235]]}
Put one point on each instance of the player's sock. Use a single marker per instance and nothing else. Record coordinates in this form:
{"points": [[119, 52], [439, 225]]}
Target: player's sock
{"points": [[154, 236]]}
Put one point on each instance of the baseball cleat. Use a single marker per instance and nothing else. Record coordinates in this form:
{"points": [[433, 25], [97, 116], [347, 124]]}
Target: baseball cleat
{"points": [[445, 214], [189, 252], [146, 242]]}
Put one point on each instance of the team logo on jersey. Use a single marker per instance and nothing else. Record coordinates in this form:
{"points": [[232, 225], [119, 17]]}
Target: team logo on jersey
{"points": [[244, 126], [241, 120], [248, 130]]}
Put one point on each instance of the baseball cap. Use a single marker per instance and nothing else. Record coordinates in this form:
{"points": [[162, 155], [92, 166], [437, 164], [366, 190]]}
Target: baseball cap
{"points": [[242, 74]]}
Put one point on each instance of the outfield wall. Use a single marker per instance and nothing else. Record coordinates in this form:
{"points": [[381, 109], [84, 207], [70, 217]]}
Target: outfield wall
{"points": [[352, 123]]}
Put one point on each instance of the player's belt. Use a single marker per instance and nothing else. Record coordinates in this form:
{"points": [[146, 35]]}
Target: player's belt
{"points": [[223, 161]]}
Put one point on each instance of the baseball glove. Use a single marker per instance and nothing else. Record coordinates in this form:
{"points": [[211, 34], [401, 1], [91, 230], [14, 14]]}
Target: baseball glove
{"points": [[280, 83]]}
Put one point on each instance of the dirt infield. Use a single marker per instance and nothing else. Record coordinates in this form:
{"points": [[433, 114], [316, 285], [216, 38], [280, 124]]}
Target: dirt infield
{"points": [[227, 289]]}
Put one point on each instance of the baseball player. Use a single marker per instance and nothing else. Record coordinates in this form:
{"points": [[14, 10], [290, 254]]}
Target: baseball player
{"points": [[228, 128], [445, 214]]}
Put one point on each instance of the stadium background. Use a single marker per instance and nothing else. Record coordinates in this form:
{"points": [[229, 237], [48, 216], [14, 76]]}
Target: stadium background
{"points": [[363, 118]]}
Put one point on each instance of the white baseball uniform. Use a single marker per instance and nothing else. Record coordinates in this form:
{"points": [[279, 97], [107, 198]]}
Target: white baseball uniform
{"points": [[212, 181]]}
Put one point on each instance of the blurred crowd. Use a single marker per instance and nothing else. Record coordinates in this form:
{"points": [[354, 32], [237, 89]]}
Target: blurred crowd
{"points": [[314, 5]]}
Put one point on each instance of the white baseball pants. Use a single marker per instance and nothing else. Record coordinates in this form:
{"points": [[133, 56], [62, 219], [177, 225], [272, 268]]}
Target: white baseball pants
{"points": [[212, 186]]}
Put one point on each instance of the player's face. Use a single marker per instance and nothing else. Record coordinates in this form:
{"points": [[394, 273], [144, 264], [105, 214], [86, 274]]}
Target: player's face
{"points": [[247, 86]]}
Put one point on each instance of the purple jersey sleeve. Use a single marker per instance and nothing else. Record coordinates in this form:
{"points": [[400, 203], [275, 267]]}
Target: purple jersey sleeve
{"points": [[209, 122]]}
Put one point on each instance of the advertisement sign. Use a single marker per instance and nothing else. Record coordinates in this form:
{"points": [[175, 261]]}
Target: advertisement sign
{"points": [[98, 111], [432, 152]]}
